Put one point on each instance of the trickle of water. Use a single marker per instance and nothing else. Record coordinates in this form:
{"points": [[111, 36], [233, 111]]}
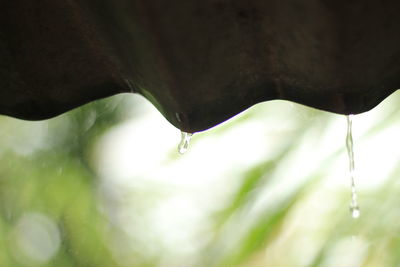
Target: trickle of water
{"points": [[185, 141], [354, 208]]}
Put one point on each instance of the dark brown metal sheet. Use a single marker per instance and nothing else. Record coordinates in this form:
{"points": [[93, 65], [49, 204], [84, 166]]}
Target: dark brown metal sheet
{"points": [[198, 62]]}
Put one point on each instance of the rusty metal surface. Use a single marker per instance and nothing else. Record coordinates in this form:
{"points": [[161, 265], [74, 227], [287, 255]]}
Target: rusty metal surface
{"points": [[198, 62]]}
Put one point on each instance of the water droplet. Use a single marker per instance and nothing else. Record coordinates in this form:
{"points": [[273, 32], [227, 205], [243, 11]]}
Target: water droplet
{"points": [[354, 208], [355, 211], [185, 141]]}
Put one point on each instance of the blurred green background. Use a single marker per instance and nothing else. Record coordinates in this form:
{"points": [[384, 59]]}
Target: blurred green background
{"points": [[103, 185]]}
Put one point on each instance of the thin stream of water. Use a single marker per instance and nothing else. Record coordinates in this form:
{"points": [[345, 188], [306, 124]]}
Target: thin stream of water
{"points": [[354, 208]]}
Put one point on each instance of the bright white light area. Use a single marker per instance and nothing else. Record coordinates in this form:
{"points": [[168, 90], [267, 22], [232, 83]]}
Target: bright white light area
{"points": [[36, 239]]}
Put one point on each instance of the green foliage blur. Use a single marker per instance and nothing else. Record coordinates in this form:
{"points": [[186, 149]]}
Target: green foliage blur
{"points": [[284, 205]]}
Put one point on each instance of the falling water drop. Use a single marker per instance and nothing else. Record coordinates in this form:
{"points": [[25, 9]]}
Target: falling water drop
{"points": [[355, 212], [185, 141], [354, 208]]}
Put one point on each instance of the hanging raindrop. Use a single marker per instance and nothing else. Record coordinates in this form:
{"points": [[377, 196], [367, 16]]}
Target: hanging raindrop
{"points": [[185, 141], [354, 208]]}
